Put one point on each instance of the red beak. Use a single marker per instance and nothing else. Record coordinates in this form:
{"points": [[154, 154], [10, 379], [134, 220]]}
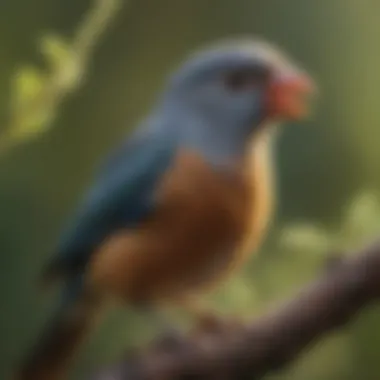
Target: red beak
{"points": [[288, 96]]}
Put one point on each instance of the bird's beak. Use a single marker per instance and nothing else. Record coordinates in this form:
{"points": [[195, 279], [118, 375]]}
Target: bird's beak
{"points": [[288, 96]]}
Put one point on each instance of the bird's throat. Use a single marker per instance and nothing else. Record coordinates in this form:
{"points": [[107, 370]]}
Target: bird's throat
{"points": [[224, 148]]}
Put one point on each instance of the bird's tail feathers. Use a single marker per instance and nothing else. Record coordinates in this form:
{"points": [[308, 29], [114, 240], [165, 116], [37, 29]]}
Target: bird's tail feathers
{"points": [[51, 356], [49, 276], [58, 270]]}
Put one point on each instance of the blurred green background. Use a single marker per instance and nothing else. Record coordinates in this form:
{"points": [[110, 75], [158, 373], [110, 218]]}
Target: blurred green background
{"points": [[70, 89]]}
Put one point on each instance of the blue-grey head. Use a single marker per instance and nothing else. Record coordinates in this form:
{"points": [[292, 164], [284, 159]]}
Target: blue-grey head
{"points": [[223, 94]]}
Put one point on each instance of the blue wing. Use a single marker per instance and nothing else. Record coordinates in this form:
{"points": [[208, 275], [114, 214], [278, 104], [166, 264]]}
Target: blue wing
{"points": [[123, 195]]}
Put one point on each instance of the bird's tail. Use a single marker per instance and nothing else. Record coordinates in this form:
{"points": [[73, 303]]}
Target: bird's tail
{"points": [[51, 356]]}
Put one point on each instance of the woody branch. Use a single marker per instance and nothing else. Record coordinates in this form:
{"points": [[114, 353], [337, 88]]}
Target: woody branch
{"points": [[269, 342]]}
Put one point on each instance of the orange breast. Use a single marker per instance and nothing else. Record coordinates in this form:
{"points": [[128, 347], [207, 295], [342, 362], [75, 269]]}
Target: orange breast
{"points": [[205, 223]]}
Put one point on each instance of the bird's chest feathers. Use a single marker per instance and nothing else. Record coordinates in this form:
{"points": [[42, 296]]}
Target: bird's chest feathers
{"points": [[205, 224], [217, 210]]}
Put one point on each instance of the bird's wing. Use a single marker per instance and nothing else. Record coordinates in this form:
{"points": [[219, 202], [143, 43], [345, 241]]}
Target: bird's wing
{"points": [[122, 196]]}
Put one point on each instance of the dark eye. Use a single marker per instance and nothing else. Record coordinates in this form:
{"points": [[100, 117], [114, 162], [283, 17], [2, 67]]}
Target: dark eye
{"points": [[245, 79]]}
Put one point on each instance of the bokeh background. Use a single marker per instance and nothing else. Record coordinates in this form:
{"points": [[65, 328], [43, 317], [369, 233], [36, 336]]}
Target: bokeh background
{"points": [[75, 76]]}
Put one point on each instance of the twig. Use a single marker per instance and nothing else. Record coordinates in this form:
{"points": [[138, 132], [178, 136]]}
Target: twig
{"points": [[269, 342], [60, 83]]}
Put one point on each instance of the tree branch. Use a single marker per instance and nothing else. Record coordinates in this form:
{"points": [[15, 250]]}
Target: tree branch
{"points": [[63, 79], [271, 341]]}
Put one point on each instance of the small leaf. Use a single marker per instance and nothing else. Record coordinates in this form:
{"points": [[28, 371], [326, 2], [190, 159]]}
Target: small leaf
{"points": [[28, 83], [34, 124], [56, 50], [305, 237], [363, 212]]}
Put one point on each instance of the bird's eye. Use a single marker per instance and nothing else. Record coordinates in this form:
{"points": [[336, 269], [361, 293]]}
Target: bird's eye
{"points": [[245, 79]]}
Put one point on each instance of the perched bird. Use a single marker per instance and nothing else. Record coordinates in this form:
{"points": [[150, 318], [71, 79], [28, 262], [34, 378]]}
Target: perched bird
{"points": [[183, 201]]}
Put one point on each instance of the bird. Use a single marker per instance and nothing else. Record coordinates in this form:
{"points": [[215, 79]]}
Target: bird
{"points": [[182, 202]]}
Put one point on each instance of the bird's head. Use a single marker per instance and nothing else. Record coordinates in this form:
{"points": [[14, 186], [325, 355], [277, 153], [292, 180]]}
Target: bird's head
{"points": [[240, 85]]}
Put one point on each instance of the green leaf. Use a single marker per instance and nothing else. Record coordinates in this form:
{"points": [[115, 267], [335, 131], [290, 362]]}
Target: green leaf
{"points": [[363, 212], [305, 237], [362, 219], [56, 50], [30, 112], [27, 85], [26, 127]]}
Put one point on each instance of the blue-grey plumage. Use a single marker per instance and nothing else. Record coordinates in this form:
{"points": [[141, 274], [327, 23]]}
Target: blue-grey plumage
{"points": [[199, 112], [180, 199], [122, 196]]}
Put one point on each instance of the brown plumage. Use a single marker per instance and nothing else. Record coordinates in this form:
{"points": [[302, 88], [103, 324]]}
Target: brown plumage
{"points": [[207, 217], [205, 224]]}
